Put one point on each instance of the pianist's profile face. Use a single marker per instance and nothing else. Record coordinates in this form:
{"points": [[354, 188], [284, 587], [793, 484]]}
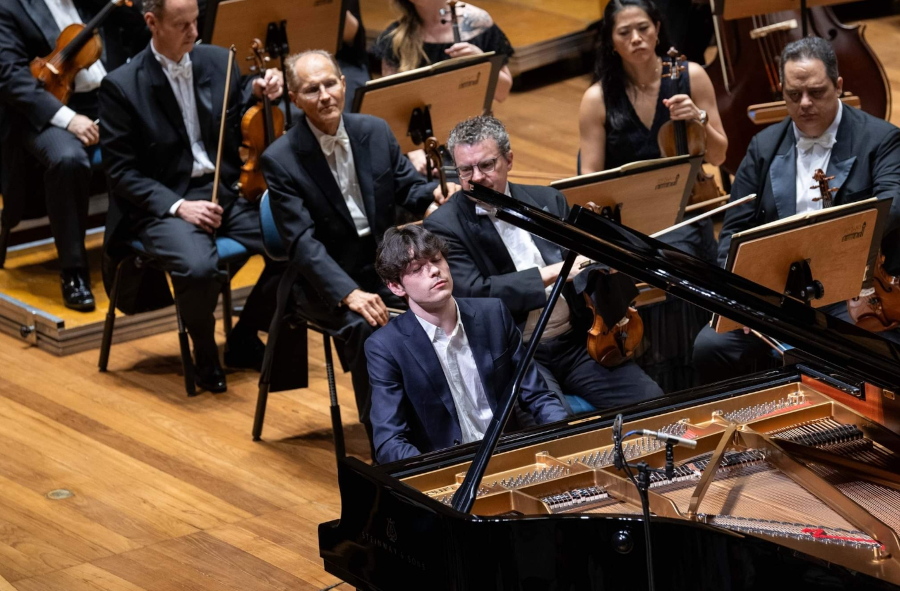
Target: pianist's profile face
{"points": [[320, 94], [426, 282], [810, 95], [482, 163]]}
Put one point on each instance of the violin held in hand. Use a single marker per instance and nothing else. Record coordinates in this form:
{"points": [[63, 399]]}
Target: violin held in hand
{"points": [[77, 47], [679, 138], [261, 125]]}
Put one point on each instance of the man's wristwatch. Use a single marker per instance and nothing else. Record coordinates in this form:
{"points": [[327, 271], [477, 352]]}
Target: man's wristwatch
{"points": [[704, 118]]}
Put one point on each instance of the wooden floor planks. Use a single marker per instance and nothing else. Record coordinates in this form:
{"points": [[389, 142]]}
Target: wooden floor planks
{"points": [[170, 493]]}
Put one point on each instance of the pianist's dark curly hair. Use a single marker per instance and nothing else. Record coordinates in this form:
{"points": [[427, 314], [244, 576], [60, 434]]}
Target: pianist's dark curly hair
{"points": [[609, 71], [403, 245]]}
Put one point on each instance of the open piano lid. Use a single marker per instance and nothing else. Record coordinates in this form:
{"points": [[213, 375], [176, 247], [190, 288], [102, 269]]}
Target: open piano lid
{"points": [[837, 343]]}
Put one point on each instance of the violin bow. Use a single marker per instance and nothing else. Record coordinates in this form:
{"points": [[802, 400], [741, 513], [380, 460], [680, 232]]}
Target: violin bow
{"points": [[215, 193]]}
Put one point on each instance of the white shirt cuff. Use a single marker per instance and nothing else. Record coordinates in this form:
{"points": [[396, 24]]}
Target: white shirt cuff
{"points": [[174, 207], [63, 117]]}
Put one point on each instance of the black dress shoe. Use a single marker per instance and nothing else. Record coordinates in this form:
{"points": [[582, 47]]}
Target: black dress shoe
{"points": [[210, 377], [245, 352], [76, 290]]}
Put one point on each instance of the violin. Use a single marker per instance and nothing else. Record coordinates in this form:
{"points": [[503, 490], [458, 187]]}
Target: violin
{"points": [[613, 346], [879, 310], [679, 138], [745, 71], [261, 125], [434, 161], [77, 47]]}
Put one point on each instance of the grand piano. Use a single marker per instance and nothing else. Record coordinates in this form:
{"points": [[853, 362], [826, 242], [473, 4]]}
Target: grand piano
{"points": [[794, 482]]}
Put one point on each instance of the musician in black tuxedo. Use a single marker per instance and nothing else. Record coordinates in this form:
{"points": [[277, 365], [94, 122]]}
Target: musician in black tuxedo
{"points": [[861, 152], [159, 131], [62, 139], [491, 258], [335, 182]]}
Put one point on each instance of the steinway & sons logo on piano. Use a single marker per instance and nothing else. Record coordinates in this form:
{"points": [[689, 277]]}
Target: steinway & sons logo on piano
{"points": [[390, 544]]}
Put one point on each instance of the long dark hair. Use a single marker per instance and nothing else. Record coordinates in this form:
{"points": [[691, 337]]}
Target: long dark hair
{"points": [[609, 71]]}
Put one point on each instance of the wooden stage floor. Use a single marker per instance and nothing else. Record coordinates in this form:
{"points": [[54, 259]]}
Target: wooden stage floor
{"points": [[170, 493]]}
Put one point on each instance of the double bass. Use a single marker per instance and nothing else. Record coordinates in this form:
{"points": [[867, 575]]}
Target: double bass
{"points": [[746, 70], [77, 47], [261, 125]]}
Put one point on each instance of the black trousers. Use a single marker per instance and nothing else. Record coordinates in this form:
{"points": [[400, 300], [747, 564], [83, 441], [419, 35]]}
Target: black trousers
{"points": [[568, 368], [718, 357], [349, 329], [190, 257], [67, 180]]}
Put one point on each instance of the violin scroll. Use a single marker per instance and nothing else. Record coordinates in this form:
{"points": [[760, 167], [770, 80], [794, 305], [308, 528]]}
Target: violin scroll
{"points": [[825, 191]]}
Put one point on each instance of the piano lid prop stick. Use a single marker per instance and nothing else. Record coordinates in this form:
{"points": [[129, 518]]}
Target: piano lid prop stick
{"points": [[697, 218], [215, 193], [702, 216]]}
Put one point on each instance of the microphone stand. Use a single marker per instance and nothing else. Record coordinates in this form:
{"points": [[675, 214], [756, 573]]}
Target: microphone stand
{"points": [[642, 483]]}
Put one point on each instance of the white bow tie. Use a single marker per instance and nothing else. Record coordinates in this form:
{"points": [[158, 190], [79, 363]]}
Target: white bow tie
{"points": [[329, 142], [185, 71], [826, 141]]}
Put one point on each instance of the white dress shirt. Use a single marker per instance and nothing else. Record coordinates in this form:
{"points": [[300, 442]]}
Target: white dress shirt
{"points": [[343, 168], [525, 255], [181, 78], [472, 408], [65, 14], [813, 154]]}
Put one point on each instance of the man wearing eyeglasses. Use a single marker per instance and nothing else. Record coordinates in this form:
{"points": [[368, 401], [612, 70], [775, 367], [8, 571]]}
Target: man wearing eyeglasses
{"points": [[335, 181], [491, 258]]}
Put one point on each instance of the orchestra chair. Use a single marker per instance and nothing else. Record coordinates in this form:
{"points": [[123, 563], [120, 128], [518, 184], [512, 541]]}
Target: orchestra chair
{"points": [[276, 251], [232, 254]]}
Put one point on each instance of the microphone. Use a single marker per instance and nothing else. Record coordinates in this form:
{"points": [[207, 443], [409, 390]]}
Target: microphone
{"points": [[668, 438]]}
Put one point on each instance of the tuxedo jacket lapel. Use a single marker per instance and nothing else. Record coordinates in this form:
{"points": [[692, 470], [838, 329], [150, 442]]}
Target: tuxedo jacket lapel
{"points": [[164, 94], [421, 349], [313, 160], [551, 253], [477, 334], [488, 241], [43, 19], [842, 155], [783, 175], [359, 143], [203, 96]]}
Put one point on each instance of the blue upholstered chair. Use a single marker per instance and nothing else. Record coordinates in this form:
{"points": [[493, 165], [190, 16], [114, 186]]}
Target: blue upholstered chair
{"points": [[231, 253], [276, 251]]}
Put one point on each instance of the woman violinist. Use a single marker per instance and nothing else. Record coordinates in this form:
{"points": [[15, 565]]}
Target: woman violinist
{"points": [[424, 35], [622, 112]]}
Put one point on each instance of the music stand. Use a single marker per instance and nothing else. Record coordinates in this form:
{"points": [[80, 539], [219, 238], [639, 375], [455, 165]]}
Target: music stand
{"points": [[647, 196], [821, 257], [430, 101], [310, 24]]}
